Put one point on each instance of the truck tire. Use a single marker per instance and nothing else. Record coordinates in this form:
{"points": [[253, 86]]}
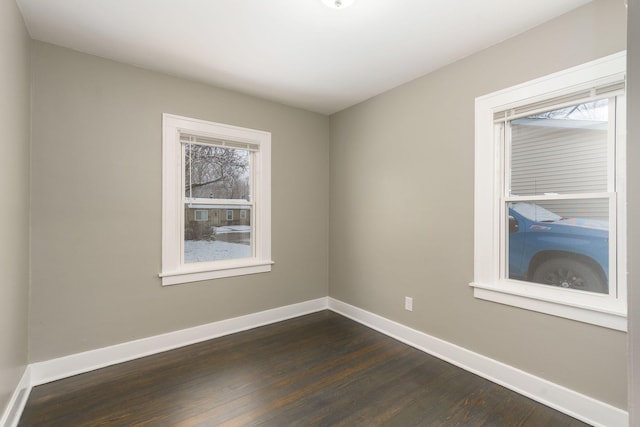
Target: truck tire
{"points": [[570, 273]]}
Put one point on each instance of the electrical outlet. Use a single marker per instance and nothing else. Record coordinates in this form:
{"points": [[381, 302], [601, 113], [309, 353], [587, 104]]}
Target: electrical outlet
{"points": [[408, 303]]}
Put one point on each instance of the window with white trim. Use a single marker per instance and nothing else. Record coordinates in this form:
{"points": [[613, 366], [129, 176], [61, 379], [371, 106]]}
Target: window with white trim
{"points": [[211, 170], [550, 219], [201, 215]]}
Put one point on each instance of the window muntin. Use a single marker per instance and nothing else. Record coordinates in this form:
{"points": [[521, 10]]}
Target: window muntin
{"points": [[217, 171], [496, 113]]}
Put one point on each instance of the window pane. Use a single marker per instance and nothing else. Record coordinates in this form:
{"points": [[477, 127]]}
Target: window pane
{"points": [[561, 243], [201, 215], [561, 151], [216, 172], [217, 238]]}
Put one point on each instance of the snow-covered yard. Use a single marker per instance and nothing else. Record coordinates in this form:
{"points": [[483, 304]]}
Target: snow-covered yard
{"points": [[214, 250], [232, 229], [231, 242]]}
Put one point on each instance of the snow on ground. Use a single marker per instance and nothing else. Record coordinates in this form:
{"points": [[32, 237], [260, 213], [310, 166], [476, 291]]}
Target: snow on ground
{"points": [[232, 229], [214, 250]]}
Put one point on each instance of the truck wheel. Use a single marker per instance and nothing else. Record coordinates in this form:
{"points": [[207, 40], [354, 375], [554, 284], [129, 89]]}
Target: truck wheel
{"points": [[569, 273]]}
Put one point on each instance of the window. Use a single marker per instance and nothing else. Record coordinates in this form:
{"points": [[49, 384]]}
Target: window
{"points": [[209, 171], [243, 214], [201, 215], [550, 220]]}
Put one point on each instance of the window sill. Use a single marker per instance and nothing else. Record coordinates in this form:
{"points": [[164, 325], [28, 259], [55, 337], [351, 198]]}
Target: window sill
{"points": [[611, 319], [198, 274]]}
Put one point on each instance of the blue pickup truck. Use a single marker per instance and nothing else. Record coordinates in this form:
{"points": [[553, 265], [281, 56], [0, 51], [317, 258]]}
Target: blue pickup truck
{"points": [[549, 249]]}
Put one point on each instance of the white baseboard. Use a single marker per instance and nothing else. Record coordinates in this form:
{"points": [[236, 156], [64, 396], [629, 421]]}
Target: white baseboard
{"points": [[579, 406], [55, 369], [12, 412], [553, 395]]}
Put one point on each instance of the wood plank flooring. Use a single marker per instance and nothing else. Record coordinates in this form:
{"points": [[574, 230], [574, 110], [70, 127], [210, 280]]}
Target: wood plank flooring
{"points": [[317, 370]]}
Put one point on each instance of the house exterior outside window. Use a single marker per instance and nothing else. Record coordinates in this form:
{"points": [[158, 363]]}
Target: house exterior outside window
{"points": [[201, 215]]}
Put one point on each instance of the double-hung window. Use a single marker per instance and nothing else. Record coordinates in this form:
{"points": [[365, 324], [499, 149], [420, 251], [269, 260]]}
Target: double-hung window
{"points": [[211, 173], [550, 194]]}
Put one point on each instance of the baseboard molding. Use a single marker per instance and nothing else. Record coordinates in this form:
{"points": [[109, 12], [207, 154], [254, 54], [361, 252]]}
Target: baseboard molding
{"points": [[55, 369], [579, 406], [12, 412]]}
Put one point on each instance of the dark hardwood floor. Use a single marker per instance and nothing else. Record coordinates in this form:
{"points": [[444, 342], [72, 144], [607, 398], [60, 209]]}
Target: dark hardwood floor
{"points": [[317, 370]]}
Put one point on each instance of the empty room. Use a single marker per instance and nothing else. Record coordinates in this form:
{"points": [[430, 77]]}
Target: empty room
{"points": [[319, 212]]}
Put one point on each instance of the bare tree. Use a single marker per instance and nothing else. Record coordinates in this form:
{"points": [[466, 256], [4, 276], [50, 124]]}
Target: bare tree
{"points": [[216, 172], [593, 110]]}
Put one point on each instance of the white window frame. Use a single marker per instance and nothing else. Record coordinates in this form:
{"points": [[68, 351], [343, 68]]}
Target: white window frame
{"points": [[243, 214], [229, 214], [490, 282], [174, 270]]}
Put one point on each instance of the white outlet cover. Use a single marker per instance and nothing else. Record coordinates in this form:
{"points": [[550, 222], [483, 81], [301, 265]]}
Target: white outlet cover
{"points": [[408, 303]]}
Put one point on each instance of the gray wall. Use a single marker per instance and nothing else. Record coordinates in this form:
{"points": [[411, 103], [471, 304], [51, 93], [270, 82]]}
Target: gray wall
{"points": [[401, 216], [401, 173], [14, 189], [633, 178], [96, 212]]}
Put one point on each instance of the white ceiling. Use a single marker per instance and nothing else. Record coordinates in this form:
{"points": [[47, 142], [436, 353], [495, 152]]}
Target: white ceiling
{"points": [[298, 52]]}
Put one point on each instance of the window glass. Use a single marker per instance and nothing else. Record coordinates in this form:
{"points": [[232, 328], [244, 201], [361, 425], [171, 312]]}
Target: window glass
{"points": [[215, 177], [560, 151], [553, 240], [217, 238], [569, 251], [216, 172], [201, 215]]}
